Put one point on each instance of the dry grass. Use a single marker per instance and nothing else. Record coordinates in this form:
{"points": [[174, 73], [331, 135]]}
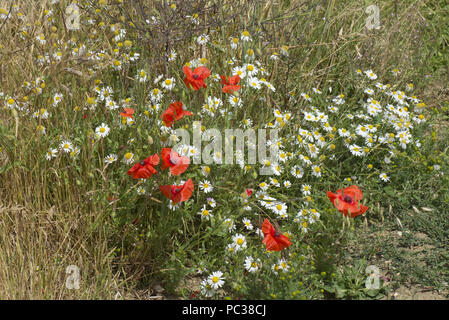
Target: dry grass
{"points": [[36, 248]]}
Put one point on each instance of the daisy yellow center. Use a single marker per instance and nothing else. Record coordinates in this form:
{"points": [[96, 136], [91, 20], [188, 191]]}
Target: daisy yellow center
{"points": [[102, 130], [168, 82], [215, 279], [128, 155], [239, 241], [279, 207]]}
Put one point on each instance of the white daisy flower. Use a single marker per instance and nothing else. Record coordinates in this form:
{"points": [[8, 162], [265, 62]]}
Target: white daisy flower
{"points": [[110, 158], [229, 224], [239, 241], [252, 265], [356, 150], [247, 224], [51, 153], [168, 84], [206, 289], [245, 36], [370, 74], [128, 158], [102, 131], [263, 186], [140, 190], [211, 202], [297, 172], [66, 146], [205, 213], [279, 208], [57, 98], [142, 76], [384, 177], [282, 265], [254, 83], [216, 280], [172, 55], [234, 42], [306, 189], [316, 171], [203, 39]]}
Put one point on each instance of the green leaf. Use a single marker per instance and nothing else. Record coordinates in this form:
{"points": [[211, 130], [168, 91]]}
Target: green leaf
{"points": [[339, 292]]}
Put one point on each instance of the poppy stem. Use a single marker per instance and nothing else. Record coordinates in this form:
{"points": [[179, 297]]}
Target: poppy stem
{"points": [[154, 199]]}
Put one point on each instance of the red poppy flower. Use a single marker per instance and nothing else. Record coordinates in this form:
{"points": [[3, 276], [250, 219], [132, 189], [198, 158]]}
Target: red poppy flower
{"points": [[145, 168], [128, 113], [347, 201], [174, 113], [171, 159], [274, 240], [195, 79], [178, 193], [249, 192], [230, 83]]}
